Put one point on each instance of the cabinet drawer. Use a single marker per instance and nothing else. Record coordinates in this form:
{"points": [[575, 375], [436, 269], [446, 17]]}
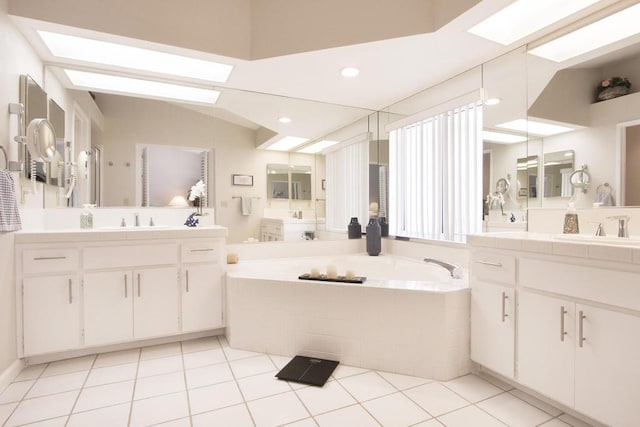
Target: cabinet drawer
{"points": [[130, 256], [49, 260], [494, 267], [201, 252]]}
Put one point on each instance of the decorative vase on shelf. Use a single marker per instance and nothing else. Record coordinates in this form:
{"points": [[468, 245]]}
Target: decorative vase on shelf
{"points": [[374, 241], [354, 229]]}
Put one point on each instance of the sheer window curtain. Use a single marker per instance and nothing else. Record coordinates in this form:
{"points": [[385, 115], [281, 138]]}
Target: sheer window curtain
{"points": [[435, 165], [347, 171]]}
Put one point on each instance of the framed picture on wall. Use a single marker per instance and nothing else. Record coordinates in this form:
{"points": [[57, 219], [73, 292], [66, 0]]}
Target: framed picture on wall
{"points": [[246, 180]]}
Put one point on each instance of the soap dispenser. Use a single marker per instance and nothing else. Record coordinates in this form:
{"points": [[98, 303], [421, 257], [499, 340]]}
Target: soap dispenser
{"points": [[86, 217], [571, 220]]}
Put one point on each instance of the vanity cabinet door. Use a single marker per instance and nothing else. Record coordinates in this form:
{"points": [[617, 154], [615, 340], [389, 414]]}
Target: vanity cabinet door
{"points": [[51, 314], [607, 366], [546, 345], [201, 297], [155, 302], [108, 307], [492, 327]]}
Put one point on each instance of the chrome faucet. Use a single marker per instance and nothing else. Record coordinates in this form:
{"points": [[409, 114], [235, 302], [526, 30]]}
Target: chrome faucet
{"points": [[623, 221], [600, 230], [454, 270], [137, 219]]}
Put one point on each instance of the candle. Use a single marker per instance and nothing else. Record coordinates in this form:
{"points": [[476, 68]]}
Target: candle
{"points": [[350, 275], [332, 271], [314, 273]]}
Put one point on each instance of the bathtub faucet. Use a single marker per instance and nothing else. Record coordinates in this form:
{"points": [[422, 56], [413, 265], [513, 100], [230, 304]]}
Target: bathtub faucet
{"points": [[454, 270]]}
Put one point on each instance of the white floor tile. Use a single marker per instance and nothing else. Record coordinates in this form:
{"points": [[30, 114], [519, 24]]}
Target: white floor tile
{"points": [[473, 388], [182, 422], [403, 382], [53, 422], [280, 361], [233, 354], [208, 375], [349, 416], [159, 384], [160, 351], [31, 372], [165, 365], [572, 421], [5, 411], [436, 399], [536, 402], [233, 416], [396, 410], [277, 410], [212, 397], [104, 395], [263, 385], [111, 374], [307, 422], [343, 371], [324, 399], [496, 382], [42, 408], [117, 358], [159, 409], [252, 366], [15, 392], [204, 358], [57, 384], [69, 365], [367, 386], [111, 416], [430, 423], [555, 423], [200, 344], [469, 416], [513, 411]]}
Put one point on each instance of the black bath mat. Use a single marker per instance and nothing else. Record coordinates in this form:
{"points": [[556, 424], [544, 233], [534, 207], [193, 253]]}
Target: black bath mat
{"points": [[308, 370]]}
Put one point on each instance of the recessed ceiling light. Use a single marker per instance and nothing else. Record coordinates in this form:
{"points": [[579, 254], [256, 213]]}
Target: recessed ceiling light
{"points": [[607, 30], [287, 143], [350, 72], [492, 101], [134, 58], [317, 147], [525, 17], [284, 119], [147, 88], [534, 127], [502, 138]]}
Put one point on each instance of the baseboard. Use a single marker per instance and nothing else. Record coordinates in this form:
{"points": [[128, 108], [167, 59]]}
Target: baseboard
{"points": [[10, 373]]}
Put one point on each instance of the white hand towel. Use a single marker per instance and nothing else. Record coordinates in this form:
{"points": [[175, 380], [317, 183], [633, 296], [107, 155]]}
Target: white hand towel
{"points": [[9, 214], [605, 199], [245, 205]]}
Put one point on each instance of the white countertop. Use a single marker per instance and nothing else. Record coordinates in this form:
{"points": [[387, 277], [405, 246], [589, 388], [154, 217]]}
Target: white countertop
{"points": [[128, 233]]}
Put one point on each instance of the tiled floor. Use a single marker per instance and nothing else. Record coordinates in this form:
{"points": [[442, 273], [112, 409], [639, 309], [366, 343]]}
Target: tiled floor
{"points": [[206, 383]]}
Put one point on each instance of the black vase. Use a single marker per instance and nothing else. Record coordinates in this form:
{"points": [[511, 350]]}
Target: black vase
{"points": [[384, 226], [374, 240], [355, 229]]}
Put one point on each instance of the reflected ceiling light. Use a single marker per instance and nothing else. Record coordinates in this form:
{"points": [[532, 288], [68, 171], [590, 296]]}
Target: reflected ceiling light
{"points": [[492, 101], [525, 17], [350, 72], [318, 146], [284, 119], [535, 128], [287, 143], [147, 88], [603, 32], [107, 53], [179, 202], [502, 138]]}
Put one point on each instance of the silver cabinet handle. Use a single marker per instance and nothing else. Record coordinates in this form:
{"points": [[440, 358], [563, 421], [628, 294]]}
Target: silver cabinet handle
{"points": [[505, 297], [45, 258], [187, 275], [489, 263], [563, 333], [581, 338], [126, 279], [202, 250], [70, 292], [138, 285]]}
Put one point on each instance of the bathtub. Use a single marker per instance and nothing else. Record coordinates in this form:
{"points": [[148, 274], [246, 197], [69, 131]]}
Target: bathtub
{"points": [[408, 317]]}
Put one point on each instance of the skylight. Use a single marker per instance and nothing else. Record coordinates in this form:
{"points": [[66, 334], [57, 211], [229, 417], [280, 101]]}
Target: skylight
{"points": [[501, 137], [534, 127], [287, 143], [318, 146], [134, 58]]}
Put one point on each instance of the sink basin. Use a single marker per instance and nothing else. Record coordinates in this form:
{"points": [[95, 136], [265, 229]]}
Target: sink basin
{"points": [[133, 228], [605, 240]]}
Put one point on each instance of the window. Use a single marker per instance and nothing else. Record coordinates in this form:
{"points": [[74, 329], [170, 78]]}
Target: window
{"points": [[435, 176]]}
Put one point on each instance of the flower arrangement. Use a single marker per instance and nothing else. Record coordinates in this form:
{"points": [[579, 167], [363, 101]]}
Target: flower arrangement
{"points": [[613, 87], [196, 195]]}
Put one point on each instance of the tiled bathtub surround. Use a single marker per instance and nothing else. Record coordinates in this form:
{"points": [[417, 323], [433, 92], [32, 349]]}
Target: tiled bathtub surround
{"points": [[228, 387]]}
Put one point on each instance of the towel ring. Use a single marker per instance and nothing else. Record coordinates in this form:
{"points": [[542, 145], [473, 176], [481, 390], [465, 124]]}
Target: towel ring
{"points": [[580, 179], [502, 186], [604, 188], [6, 158]]}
